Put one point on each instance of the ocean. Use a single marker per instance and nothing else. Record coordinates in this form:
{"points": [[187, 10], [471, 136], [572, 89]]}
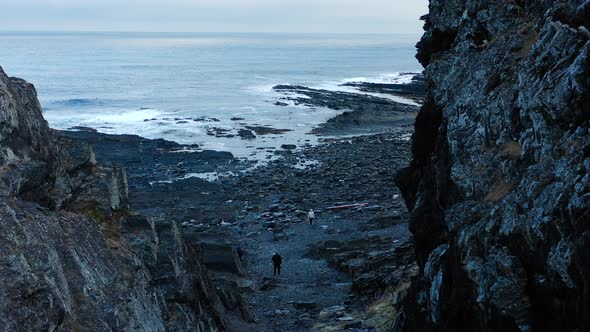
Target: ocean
{"points": [[114, 82]]}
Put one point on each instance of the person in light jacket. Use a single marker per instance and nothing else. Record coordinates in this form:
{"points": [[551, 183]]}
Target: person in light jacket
{"points": [[311, 216]]}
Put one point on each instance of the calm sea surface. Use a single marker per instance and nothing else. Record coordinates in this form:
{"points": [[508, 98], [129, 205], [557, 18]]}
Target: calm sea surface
{"points": [[115, 81]]}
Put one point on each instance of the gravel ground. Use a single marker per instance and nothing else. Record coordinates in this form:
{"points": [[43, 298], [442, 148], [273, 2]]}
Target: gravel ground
{"points": [[265, 209], [274, 202]]}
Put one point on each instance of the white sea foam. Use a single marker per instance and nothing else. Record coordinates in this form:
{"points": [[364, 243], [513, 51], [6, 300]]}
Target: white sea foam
{"points": [[337, 86], [389, 78], [267, 89], [207, 176], [131, 117], [100, 117], [261, 89], [210, 176]]}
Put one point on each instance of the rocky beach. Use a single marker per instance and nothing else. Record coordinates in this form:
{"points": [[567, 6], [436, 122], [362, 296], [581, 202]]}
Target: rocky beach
{"points": [[457, 201], [238, 214], [265, 210], [201, 225]]}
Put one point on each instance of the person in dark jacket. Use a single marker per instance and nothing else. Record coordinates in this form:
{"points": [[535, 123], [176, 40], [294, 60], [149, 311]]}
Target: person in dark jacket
{"points": [[277, 260]]}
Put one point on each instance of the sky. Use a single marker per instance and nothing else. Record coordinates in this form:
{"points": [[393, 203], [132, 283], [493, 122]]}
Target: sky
{"points": [[298, 16]]}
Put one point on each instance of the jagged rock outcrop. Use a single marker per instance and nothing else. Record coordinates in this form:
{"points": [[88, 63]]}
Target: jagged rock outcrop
{"points": [[58, 274], [38, 166], [73, 257], [26, 158], [499, 188]]}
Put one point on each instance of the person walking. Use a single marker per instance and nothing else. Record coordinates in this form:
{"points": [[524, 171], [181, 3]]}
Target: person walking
{"points": [[277, 260], [311, 216]]}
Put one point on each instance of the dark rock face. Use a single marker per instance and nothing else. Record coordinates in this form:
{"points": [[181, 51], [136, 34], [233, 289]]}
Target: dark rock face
{"points": [[57, 273], [39, 167], [375, 263], [28, 161], [73, 257], [192, 302], [499, 188]]}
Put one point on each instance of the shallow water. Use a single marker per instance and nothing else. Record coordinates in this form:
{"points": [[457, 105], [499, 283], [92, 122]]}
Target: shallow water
{"points": [[115, 81]]}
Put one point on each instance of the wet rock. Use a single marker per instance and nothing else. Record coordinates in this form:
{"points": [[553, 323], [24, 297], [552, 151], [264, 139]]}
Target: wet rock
{"points": [[260, 130], [246, 134], [270, 225], [305, 317], [308, 305], [494, 187], [220, 257], [219, 132], [374, 263], [82, 128], [332, 312], [367, 113], [415, 90], [268, 283], [274, 208]]}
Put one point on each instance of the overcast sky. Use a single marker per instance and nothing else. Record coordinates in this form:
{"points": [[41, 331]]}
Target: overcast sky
{"points": [[363, 16]]}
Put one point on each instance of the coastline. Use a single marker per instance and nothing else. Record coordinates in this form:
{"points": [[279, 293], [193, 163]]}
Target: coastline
{"points": [[182, 250], [470, 213], [274, 117], [258, 210]]}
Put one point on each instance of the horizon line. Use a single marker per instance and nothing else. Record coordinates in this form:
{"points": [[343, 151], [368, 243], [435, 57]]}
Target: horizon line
{"points": [[203, 32]]}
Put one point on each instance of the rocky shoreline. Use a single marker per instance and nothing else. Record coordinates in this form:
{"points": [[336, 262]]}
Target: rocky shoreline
{"points": [[362, 113], [120, 232], [159, 170], [263, 211], [413, 90], [238, 220]]}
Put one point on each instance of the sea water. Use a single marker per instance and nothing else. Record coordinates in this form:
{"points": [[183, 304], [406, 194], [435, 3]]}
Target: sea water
{"points": [[148, 83]]}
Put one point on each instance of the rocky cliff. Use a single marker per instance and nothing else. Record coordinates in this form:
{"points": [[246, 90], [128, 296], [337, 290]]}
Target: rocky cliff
{"points": [[499, 187], [73, 257]]}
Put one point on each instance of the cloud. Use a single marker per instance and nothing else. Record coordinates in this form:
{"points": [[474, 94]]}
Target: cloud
{"points": [[215, 15]]}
